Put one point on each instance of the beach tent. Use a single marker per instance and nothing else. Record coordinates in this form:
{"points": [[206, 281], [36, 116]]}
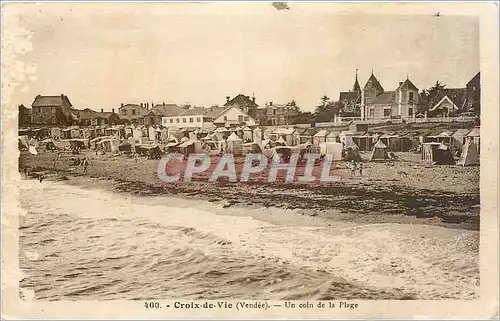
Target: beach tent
{"points": [[333, 137], [363, 141], [469, 154], [474, 134], [211, 147], [49, 144], [234, 144], [247, 134], [171, 147], [125, 147], [251, 148], [437, 153], [333, 149], [351, 151], [78, 143], [190, 146], [443, 155], [346, 137], [379, 152], [285, 152], [281, 142], [109, 145], [320, 137]]}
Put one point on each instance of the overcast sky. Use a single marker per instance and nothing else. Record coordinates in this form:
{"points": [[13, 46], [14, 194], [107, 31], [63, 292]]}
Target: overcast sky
{"points": [[102, 55]]}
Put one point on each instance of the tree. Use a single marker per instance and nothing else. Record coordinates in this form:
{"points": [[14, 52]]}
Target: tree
{"points": [[302, 118], [430, 95], [326, 111]]}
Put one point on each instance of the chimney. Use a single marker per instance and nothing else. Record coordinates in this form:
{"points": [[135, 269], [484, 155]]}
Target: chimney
{"points": [[113, 110], [141, 105], [270, 103], [121, 104], [62, 96], [163, 104], [400, 83], [227, 99], [253, 99], [102, 110]]}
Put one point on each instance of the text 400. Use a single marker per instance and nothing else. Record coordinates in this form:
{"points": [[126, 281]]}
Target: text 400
{"points": [[152, 305]]}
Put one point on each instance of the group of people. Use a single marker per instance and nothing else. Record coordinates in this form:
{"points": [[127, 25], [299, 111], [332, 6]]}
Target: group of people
{"points": [[354, 166]]}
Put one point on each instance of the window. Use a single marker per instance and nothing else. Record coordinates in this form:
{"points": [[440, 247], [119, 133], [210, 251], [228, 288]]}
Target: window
{"points": [[387, 112], [240, 118], [372, 112], [190, 119], [124, 112], [133, 111], [225, 118], [171, 120], [410, 112], [247, 118], [177, 120], [198, 119], [183, 119], [274, 111], [410, 96]]}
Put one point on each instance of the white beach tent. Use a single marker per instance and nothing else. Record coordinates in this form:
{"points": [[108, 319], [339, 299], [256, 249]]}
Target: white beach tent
{"points": [[469, 155], [234, 144], [332, 149]]}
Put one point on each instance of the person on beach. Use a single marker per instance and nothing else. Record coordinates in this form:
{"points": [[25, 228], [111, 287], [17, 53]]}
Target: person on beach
{"points": [[54, 164], [85, 164], [41, 177], [360, 169], [353, 168], [26, 172]]}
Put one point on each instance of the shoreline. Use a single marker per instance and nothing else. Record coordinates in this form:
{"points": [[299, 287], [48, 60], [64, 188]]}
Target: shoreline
{"points": [[361, 202]]}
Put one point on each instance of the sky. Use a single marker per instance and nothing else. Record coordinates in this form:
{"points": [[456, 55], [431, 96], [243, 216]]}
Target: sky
{"points": [[102, 55]]}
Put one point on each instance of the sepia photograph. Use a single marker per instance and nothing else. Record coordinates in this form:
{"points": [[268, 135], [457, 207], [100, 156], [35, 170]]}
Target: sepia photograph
{"points": [[271, 155]]}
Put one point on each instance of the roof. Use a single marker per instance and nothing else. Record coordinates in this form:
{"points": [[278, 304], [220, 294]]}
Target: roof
{"points": [[387, 97], [474, 132], [322, 132], [51, 101], [350, 96], [284, 131], [476, 78], [407, 84], [458, 96], [379, 144], [241, 100], [373, 84], [356, 87], [104, 114], [165, 110]]}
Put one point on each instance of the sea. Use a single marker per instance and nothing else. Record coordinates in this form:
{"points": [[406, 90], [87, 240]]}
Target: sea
{"points": [[89, 243]]}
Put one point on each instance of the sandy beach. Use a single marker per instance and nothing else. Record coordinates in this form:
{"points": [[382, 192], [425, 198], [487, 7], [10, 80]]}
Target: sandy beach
{"points": [[404, 191]]}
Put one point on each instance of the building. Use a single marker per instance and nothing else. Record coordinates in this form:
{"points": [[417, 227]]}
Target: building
{"points": [[134, 113], [473, 89], [350, 101], [242, 102], [233, 116], [197, 117], [85, 116], [450, 102], [52, 110], [155, 114], [106, 118], [280, 114], [24, 116], [376, 103]]}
